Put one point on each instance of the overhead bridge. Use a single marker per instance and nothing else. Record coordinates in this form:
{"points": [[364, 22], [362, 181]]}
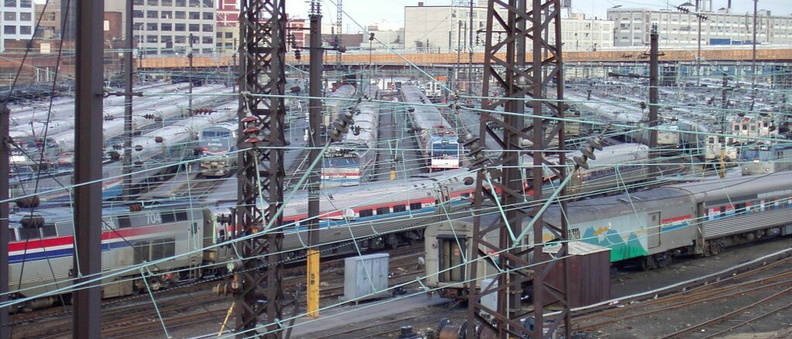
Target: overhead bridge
{"points": [[382, 58]]}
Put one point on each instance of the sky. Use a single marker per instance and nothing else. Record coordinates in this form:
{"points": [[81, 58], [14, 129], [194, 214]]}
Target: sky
{"points": [[367, 12]]}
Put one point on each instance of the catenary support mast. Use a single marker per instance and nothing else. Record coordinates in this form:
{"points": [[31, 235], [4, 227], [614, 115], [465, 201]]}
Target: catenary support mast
{"points": [[260, 178], [531, 115]]}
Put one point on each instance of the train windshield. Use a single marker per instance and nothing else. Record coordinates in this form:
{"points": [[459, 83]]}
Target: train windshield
{"points": [[441, 149], [342, 162]]}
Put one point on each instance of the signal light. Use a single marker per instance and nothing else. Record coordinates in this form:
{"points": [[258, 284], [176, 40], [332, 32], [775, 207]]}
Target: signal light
{"points": [[297, 54]]}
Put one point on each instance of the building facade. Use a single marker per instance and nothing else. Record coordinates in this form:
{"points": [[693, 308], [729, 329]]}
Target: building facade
{"points": [[165, 26], [681, 28], [445, 29], [16, 21]]}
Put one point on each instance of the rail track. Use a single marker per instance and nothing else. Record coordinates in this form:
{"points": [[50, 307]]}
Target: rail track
{"points": [[192, 305], [703, 308]]}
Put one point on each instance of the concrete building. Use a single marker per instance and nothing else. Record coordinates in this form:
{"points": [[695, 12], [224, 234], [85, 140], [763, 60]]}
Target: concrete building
{"points": [[227, 28], [165, 26], [383, 39], [445, 29], [680, 28], [16, 20]]}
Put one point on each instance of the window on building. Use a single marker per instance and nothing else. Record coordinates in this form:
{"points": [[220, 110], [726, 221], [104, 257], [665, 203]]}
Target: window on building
{"points": [[166, 15], [8, 29], [208, 3], [9, 16], [153, 2], [181, 27], [136, 14], [207, 28], [195, 27], [151, 27], [219, 35], [207, 40], [137, 2], [25, 30], [151, 39], [229, 35], [180, 14], [195, 3], [180, 39], [195, 15], [167, 2], [208, 15], [167, 27], [25, 16], [10, 3], [152, 14], [26, 4], [181, 3]]}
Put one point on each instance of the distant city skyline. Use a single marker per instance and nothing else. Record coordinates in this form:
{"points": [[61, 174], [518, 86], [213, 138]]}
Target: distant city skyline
{"points": [[361, 13]]}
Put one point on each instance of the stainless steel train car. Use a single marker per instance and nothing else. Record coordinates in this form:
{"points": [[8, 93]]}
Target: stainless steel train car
{"points": [[437, 139], [217, 145], [352, 161], [647, 228], [762, 158]]}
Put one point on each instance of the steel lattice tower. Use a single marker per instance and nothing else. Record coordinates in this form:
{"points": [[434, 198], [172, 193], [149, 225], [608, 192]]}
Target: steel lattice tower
{"points": [[530, 114], [260, 178]]}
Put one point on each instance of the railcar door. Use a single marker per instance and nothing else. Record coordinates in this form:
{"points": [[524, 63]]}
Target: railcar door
{"points": [[653, 230], [451, 255]]}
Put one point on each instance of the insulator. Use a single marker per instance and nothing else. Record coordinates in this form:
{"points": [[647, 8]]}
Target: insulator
{"points": [[588, 152], [253, 140], [596, 143], [29, 202], [251, 130], [580, 161], [32, 221]]}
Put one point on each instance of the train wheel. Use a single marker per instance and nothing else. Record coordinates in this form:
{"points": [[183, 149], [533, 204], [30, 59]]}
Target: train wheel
{"points": [[649, 263]]}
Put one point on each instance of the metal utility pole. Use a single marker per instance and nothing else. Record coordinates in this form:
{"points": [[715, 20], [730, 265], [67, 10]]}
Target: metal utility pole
{"points": [[88, 169], [753, 57], [339, 30], [189, 77], [470, 54], [519, 258], [260, 178], [653, 97], [314, 118], [5, 115], [128, 64]]}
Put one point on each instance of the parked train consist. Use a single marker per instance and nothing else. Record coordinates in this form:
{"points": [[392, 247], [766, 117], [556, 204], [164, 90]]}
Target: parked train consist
{"points": [[648, 228], [216, 146], [352, 161], [437, 139], [383, 215]]}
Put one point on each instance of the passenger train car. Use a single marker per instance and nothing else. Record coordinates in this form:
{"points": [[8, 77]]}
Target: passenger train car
{"points": [[762, 158], [217, 145], [437, 139], [352, 161], [648, 228]]}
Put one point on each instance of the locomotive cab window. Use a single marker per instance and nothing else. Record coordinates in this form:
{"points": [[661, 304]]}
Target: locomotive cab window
{"points": [[366, 213]]}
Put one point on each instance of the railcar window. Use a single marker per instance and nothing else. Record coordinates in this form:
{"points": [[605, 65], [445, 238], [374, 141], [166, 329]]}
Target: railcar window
{"points": [[29, 234], [415, 206], [168, 217], [366, 213], [124, 222], [141, 249], [49, 231], [181, 216], [383, 210], [399, 208], [163, 248]]}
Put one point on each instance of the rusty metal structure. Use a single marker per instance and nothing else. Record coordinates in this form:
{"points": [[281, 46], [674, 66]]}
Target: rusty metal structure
{"points": [[260, 178], [528, 86]]}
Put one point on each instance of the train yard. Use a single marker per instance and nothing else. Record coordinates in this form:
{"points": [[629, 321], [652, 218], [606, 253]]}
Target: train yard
{"points": [[401, 168]]}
